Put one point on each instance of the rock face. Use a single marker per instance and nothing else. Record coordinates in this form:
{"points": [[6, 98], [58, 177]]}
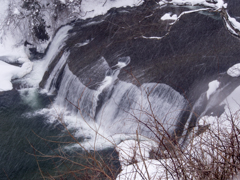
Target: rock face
{"points": [[197, 46], [186, 56]]}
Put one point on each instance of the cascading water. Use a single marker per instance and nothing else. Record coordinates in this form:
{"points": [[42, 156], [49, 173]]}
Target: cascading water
{"points": [[116, 107], [39, 67], [99, 101]]}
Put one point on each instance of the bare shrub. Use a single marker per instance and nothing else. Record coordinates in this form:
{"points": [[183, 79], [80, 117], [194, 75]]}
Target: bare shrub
{"points": [[212, 153]]}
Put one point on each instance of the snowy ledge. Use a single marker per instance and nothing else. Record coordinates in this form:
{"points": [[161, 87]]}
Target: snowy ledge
{"points": [[9, 72], [234, 71]]}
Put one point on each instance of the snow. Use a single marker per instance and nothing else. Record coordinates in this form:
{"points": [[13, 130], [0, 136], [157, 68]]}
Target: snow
{"points": [[91, 8], [9, 49], [135, 162], [233, 102], [234, 22], [9, 72], [39, 67], [212, 87], [16, 11], [3, 10], [219, 126], [169, 16], [11, 46], [234, 71], [149, 169], [84, 43], [63, 1], [188, 12], [230, 28], [220, 3], [152, 37], [10, 53], [130, 149]]}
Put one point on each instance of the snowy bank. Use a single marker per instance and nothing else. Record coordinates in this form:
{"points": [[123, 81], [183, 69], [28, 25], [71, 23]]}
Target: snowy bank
{"points": [[9, 72]]}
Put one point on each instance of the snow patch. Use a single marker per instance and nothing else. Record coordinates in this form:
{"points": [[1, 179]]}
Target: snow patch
{"points": [[131, 150], [149, 169], [169, 16], [16, 11], [212, 87], [233, 102], [9, 72], [234, 22], [234, 71], [91, 8], [135, 162], [218, 5], [152, 37], [230, 28], [63, 1], [83, 43]]}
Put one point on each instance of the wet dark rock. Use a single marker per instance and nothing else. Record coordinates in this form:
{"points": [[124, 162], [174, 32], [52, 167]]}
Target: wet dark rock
{"points": [[198, 47]]}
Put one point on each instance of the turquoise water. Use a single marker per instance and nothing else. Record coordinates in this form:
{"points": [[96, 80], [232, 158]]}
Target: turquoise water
{"points": [[16, 129], [24, 136]]}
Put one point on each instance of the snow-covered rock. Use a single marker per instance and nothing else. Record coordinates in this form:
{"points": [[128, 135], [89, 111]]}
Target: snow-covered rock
{"points": [[234, 71]]}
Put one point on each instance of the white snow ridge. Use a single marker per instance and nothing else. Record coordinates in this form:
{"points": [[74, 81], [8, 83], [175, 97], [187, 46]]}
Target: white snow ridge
{"points": [[234, 71]]}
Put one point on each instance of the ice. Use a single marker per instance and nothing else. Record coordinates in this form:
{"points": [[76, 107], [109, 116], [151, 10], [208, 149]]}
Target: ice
{"points": [[212, 87], [234, 71]]}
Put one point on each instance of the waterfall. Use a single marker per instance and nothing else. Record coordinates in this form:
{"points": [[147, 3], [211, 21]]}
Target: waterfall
{"points": [[153, 105], [74, 96], [116, 107], [52, 80], [39, 67]]}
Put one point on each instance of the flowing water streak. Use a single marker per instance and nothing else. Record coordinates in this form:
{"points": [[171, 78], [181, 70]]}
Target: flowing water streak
{"points": [[33, 79], [50, 85]]}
